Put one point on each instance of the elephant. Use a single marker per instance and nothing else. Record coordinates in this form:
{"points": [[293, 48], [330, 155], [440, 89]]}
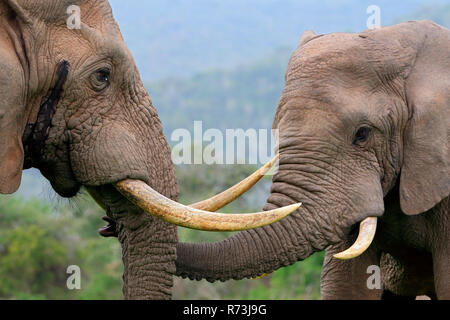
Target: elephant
{"points": [[364, 123], [73, 106]]}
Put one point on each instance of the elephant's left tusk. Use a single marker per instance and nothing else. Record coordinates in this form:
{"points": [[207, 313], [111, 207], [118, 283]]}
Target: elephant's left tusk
{"points": [[367, 230], [154, 203], [220, 200]]}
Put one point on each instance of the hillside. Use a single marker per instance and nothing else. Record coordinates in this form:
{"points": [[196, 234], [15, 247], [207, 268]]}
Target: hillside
{"points": [[243, 97], [181, 37]]}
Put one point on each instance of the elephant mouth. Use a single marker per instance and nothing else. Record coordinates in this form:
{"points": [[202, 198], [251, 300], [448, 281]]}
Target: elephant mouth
{"points": [[200, 215], [110, 230]]}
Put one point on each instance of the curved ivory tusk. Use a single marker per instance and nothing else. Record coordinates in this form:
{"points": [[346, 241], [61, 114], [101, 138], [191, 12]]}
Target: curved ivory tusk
{"points": [[222, 199], [367, 230], [142, 195]]}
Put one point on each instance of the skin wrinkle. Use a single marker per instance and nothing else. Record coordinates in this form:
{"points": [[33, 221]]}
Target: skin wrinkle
{"points": [[265, 238], [292, 190], [283, 236], [155, 270], [240, 246], [304, 187], [260, 245], [278, 237], [321, 208], [283, 195]]}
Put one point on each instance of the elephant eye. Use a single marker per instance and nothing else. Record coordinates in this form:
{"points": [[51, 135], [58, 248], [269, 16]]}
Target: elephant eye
{"points": [[100, 79], [361, 135]]}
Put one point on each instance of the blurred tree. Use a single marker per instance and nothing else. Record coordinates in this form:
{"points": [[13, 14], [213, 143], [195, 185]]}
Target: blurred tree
{"points": [[38, 242]]}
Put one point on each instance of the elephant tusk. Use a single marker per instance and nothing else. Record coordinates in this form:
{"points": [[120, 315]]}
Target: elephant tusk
{"points": [[142, 195], [222, 199], [367, 230]]}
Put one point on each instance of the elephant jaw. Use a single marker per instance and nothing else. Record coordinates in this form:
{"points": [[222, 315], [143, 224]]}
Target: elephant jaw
{"points": [[200, 215]]}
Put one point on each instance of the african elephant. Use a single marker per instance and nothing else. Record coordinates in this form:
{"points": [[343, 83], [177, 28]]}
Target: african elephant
{"points": [[72, 104], [364, 123]]}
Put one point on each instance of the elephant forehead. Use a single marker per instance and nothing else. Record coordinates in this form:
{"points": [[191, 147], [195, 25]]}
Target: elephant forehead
{"points": [[56, 10], [350, 60], [333, 110], [307, 117], [329, 54], [331, 97]]}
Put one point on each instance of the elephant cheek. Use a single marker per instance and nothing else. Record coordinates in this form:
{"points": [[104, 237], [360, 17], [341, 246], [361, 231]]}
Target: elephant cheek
{"points": [[61, 178], [115, 154]]}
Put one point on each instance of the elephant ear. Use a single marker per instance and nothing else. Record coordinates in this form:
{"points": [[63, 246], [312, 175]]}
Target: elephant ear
{"points": [[11, 163], [12, 113], [425, 179], [307, 36]]}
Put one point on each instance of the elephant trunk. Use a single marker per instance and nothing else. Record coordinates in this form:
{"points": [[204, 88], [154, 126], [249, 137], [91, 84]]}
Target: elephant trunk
{"points": [[327, 216], [251, 253], [149, 253]]}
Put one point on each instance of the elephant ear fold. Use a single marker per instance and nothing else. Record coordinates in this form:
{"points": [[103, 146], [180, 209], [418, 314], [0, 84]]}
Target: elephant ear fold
{"points": [[307, 36], [11, 162], [16, 7], [11, 113], [425, 174]]}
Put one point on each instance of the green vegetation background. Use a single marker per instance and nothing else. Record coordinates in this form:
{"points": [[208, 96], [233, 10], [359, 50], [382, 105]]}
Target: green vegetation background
{"points": [[40, 238]]}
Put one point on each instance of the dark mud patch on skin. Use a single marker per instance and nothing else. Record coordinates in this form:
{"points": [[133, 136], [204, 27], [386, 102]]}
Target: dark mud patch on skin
{"points": [[37, 133]]}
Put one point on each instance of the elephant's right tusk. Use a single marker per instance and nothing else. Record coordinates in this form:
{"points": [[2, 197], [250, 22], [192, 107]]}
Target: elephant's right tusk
{"points": [[142, 195], [227, 196], [367, 230]]}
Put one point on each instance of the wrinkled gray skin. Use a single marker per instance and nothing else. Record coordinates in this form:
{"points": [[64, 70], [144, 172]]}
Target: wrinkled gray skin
{"points": [[396, 82], [103, 130]]}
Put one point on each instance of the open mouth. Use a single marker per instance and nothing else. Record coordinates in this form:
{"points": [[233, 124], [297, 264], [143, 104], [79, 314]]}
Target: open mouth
{"points": [[200, 215], [110, 230]]}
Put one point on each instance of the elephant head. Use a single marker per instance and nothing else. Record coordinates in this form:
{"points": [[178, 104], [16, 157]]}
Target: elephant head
{"points": [[360, 114], [73, 105]]}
